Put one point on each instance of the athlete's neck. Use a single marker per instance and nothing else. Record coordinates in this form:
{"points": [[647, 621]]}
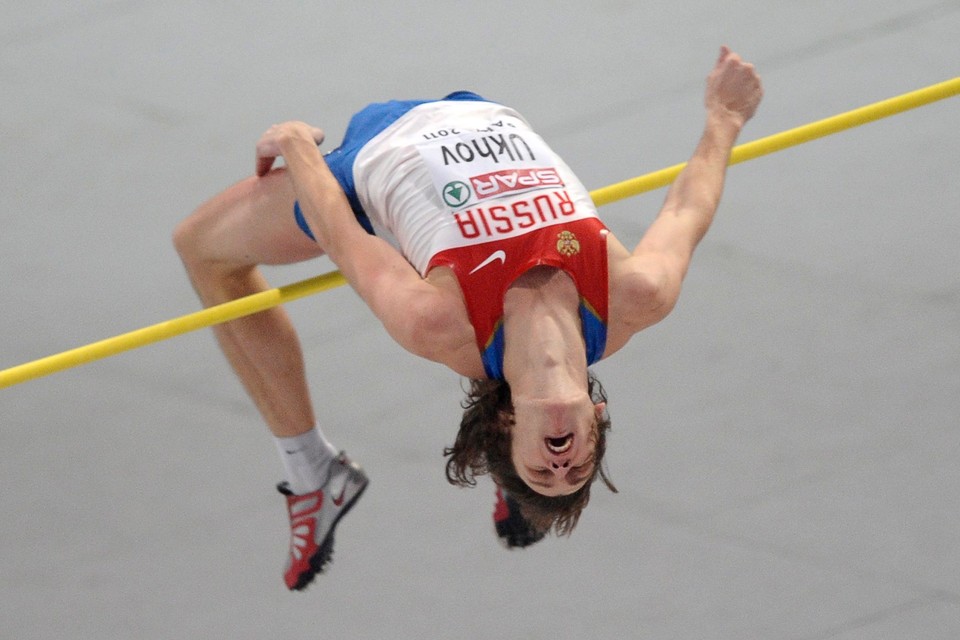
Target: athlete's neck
{"points": [[544, 352]]}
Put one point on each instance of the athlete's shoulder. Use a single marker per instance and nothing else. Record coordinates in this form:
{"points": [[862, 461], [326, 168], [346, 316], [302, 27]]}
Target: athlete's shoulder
{"points": [[641, 294], [442, 330]]}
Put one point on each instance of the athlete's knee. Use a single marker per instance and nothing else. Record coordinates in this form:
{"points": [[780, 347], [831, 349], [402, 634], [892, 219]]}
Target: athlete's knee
{"points": [[188, 238], [198, 237]]}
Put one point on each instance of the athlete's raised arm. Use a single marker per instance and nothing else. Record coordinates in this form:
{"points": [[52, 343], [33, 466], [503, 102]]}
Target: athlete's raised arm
{"points": [[664, 253]]}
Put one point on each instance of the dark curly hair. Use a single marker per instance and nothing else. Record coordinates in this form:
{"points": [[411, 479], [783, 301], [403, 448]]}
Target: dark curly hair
{"points": [[483, 445]]}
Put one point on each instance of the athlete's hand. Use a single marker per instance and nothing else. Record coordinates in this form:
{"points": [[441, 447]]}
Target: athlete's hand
{"points": [[271, 143], [733, 87]]}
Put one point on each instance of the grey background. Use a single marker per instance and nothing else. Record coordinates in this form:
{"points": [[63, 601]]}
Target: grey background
{"points": [[786, 444]]}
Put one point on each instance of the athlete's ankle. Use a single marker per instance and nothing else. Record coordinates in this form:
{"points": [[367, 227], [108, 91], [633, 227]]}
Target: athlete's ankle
{"points": [[306, 460]]}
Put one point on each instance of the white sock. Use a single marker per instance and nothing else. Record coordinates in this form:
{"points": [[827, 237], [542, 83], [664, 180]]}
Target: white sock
{"points": [[306, 460]]}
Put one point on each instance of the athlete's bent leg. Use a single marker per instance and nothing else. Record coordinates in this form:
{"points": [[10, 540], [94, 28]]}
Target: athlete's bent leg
{"points": [[221, 244]]}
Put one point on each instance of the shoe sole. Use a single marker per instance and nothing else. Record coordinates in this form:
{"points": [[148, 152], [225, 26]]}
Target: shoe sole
{"points": [[324, 552]]}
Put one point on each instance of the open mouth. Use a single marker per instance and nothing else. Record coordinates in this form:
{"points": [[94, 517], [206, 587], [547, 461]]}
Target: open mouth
{"points": [[560, 445]]}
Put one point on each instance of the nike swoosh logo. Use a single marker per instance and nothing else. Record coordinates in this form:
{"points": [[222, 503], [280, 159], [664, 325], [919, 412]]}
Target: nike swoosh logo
{"points": [[499, 254], [338, 501]]}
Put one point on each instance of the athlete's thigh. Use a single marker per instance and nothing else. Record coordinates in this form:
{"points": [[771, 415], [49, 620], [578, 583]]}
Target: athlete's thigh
{"points": [[252, 223]]}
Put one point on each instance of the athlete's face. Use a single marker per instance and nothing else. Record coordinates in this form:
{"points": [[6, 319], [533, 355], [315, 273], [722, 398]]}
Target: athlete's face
{"points": [[553, 443]]}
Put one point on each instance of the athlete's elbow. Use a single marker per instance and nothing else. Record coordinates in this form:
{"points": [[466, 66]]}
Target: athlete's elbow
{"points": [[654, 297], [662, 299]]}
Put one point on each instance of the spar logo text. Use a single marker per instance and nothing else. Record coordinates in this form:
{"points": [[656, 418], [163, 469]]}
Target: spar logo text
{"points": [[504, 181]]}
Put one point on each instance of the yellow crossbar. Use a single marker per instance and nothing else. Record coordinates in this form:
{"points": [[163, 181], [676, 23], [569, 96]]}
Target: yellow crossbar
{"points": [[628, 188]]}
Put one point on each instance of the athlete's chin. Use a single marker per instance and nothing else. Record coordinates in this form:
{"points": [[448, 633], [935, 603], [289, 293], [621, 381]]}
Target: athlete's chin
{"points": [[556, 493], [559, 490]]}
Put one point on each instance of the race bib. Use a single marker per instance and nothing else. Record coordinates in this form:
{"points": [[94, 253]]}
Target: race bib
{"points": [[503, 160]]}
